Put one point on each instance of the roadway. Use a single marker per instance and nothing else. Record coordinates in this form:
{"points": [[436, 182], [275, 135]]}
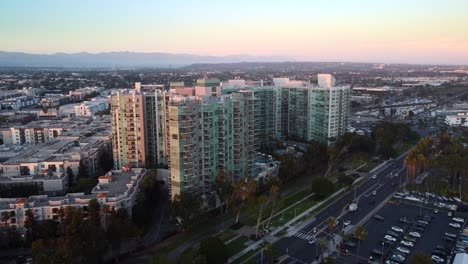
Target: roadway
{"points": [[297, 246]]}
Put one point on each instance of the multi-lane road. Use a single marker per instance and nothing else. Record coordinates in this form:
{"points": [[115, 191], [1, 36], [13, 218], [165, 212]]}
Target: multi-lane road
{"points": [[384, 184]]}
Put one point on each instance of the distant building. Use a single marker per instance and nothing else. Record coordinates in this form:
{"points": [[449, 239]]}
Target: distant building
{"points": [[90, 108], [461, 119], [308, 112]]}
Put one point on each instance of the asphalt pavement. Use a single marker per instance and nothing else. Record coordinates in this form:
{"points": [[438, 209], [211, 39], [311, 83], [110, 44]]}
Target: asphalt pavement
{"points": [[297, 246]]}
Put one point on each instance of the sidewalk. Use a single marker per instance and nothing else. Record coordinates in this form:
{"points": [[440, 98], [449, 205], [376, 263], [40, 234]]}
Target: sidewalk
{"points": [[287, 225]]}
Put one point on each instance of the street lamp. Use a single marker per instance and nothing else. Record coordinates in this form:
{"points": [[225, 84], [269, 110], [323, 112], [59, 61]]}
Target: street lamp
{"points": [[381, 258]]}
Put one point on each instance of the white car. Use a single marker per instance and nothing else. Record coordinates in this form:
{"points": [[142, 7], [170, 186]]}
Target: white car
{"points": [[374, 176], [456, 225], [397, 229], [415, 234], [389, 238], [347, 223], [407, 243], [437, 259], [403, 250], [458, 219], [450, 214], [312, 240]]}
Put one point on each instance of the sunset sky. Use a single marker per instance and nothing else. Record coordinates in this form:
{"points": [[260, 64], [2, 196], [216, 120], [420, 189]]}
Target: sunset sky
{"points": [[406, 31]]}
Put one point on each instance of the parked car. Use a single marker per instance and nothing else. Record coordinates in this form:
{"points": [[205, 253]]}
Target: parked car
{"points": [[409, 238], [403, 250], [449, 239], [397, 229], [350, 244], [397, 257], [415, 234], [346, 223], [389, 238], [378, 217], [455, 225], [393, 234], [458, 219], [405, 220], [451, 235], [437, 259], [407, 243], [424, 222], [377, 252], [439, 253], [420, 228]]}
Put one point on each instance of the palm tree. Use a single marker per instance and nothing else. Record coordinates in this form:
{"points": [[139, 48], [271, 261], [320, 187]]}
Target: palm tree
{"points": [[5, 217], [323, 243], [331, 222], [105, 210], [360, 234]]}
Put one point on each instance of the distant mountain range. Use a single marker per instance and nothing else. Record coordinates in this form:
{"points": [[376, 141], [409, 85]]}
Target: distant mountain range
{"points": [[121, 59]]}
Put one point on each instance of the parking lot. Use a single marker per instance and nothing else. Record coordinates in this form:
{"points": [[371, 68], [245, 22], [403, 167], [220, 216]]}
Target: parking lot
{"points": [[404, 218]]}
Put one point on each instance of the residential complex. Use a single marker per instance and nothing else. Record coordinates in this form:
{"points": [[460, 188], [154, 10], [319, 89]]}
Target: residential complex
{"points": [[461, 119], [90, 108], [45, 165], [199, 131], [117, 189]]}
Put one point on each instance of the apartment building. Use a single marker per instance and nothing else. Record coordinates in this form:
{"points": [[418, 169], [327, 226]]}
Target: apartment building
{"points": [[90, 108], [45, 164], [117, 189], [199, 131]]}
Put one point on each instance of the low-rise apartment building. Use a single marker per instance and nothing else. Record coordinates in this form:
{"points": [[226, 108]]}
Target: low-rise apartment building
{"points": [[117, 189]]}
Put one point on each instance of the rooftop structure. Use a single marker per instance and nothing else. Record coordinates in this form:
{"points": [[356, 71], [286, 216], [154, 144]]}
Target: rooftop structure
{"points": [[90, 108], [119, 192]]}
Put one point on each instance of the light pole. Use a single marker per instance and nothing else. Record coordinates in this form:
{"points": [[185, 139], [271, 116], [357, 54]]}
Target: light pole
{"points": [[381, 258]]}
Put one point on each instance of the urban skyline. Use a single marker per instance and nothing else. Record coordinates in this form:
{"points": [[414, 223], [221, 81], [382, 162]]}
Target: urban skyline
{"points": [[368, 31]]}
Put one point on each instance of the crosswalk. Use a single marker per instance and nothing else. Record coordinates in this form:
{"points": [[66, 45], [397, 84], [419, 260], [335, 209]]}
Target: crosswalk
{"points": [[304, 236]]}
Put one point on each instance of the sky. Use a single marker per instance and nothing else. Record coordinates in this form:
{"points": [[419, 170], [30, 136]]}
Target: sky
{"points": [[395, 31]]}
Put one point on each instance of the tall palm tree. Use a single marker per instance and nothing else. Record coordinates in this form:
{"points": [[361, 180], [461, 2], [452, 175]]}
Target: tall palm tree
{"points": [[5, 217], [105, 210], [360, 234], [323, 243], [331, 222]]}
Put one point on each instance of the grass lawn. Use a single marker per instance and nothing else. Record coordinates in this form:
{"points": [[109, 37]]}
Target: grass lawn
{"points": [[237, 245], [370, 165], [251, 253], [355, 160], [244, 257], [402, 148], [292, 212], [283, 203], [226, 235]]}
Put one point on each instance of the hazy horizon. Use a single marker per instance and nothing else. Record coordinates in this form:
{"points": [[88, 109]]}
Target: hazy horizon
{"points": [[414, 32]]}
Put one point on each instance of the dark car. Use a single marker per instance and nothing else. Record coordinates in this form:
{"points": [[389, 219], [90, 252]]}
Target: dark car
{"points": [[350, 244], [372, 202], [449, 239], [393, 234], [405, 220], [420, 228], [440, 247], [439, 253], [378, 217]]}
